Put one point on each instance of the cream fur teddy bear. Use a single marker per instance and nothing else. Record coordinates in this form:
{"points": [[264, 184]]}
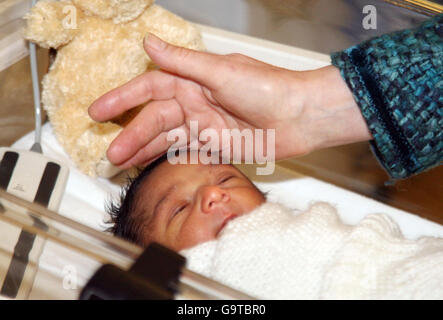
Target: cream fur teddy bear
{"points": [[99, 47]]}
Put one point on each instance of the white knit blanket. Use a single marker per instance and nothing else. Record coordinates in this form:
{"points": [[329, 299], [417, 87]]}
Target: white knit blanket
{"points": [[276, 253]]}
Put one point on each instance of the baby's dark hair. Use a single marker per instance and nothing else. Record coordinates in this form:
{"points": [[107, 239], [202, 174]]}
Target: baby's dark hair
{"points": [[123, 211]]}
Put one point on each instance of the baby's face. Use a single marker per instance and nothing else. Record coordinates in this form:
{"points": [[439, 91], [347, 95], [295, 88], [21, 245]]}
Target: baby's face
{"points": [[192, 203]]}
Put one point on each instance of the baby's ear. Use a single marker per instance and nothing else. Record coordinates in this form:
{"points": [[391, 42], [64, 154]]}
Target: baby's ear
{"points": [[119, 11], [51, 24]]}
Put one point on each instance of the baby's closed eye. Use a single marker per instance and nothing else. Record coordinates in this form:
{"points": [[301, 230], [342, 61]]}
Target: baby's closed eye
{"points": [[178, 209], [225, 179]]}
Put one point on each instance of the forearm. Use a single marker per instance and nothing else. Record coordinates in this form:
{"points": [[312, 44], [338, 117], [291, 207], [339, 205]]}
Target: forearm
{"points": [[331, 116], [396, 80]]}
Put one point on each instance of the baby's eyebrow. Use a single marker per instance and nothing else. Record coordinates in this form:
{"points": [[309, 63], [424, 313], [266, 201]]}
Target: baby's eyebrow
{"points": [[218, 167]]}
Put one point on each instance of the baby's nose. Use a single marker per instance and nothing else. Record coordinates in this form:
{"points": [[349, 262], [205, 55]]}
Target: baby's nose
{"points": [[214, 199]]}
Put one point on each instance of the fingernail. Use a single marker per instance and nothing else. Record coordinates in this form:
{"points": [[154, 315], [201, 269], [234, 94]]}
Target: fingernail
{"points": [[91, 112], [113, 153], [94, 114], [155, 42]]}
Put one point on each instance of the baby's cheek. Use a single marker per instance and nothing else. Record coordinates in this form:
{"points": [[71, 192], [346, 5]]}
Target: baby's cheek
{"points": [[249, 199], [194, 234]]}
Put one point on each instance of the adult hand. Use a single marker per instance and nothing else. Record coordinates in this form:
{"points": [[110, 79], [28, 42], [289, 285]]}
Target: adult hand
{"points": [[226, 92]]}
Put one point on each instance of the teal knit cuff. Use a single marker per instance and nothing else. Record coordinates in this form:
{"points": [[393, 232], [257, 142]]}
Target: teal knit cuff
{"points": [[396, 80]]}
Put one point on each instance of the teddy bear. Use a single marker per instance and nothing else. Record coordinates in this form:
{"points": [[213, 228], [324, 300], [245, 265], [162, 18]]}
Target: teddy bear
{"points": [[99, 47]]}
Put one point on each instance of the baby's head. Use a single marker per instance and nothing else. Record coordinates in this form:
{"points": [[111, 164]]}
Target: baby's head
{"points": [[182, 205]]}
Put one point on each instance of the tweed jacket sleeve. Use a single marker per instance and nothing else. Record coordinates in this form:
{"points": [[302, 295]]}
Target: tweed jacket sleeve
{"points": [[396, 80]]}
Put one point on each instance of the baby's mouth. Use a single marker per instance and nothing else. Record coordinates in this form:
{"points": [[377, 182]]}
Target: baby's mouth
{"points": [[225, 222]]}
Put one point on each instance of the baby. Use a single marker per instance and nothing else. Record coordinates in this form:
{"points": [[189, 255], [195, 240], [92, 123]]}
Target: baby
{"points": [[182, 205], [268, 250]]}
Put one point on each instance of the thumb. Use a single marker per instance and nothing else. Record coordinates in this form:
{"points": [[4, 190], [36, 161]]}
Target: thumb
{"points": [[191, 64]]}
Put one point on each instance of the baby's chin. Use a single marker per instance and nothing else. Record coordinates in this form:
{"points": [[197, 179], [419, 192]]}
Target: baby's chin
{"points": [[233, 217]]}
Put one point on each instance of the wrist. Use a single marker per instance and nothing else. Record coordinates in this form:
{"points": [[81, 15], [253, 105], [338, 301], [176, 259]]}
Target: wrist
{"points": [[331, 116]]}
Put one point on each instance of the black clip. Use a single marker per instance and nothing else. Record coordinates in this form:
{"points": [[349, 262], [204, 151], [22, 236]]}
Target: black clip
{"points": [[154, 276]]}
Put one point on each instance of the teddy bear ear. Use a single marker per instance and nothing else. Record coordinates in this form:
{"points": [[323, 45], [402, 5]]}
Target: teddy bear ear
{"points": [[51, 24], [119, 11]]}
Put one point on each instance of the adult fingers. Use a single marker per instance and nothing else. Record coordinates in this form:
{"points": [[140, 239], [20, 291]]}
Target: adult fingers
{"points": [[195, 65], [155, 118], [149, 85], [153, 150]]}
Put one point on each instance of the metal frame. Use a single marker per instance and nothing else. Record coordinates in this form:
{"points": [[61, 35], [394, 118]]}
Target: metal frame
{"points": [[428, 8]]}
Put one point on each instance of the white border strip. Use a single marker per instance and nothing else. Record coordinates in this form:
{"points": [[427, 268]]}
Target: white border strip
{"points": [[225, 42]]}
